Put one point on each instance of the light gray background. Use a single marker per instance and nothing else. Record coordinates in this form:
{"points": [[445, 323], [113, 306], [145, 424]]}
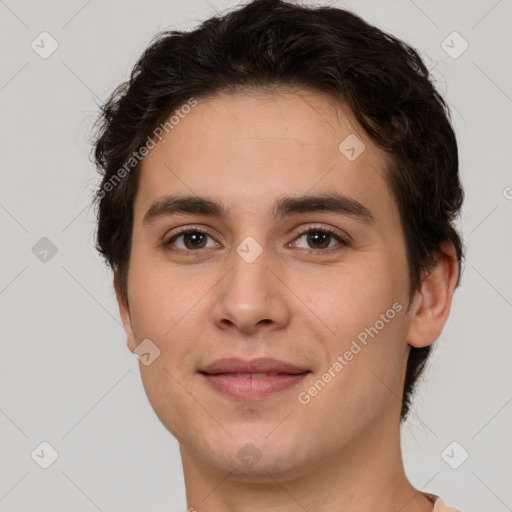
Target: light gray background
{"points": [[66, 376]]}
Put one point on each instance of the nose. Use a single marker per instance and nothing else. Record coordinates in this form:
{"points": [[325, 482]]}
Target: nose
{"points": [[252, 296]]}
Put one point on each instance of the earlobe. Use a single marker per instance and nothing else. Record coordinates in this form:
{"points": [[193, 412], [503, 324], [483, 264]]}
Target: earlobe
{"points": [[433, 301], [124, 313]]}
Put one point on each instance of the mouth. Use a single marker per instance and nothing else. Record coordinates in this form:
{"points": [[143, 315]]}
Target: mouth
{"points": [[252, 380]]}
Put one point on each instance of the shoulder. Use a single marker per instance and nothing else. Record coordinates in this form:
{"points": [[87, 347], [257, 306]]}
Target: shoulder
{"points": [[440, 505]]}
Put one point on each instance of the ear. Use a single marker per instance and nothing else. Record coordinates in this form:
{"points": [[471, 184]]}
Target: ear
{"points": [[124, 312], [432, 303]]}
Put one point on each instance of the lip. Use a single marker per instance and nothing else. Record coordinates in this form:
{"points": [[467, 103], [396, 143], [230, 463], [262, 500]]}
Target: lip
{"points": [[258, 365], [235, 377]]}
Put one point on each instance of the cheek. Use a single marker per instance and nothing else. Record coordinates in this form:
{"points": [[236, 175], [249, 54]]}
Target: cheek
{"points": [[160, 306], [159, 296], [365, 309], [353, 298], [363, 375]]}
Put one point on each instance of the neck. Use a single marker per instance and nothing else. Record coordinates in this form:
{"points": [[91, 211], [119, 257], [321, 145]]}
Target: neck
{"points": [[368, 475]]}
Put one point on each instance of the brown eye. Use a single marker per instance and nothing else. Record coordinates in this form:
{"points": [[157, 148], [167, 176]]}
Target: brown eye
{"points": [[194, 240], [321, 239], [191, 240]]}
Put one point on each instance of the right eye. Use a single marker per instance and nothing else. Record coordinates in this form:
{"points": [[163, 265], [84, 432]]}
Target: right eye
{"points": [[193, 239]]}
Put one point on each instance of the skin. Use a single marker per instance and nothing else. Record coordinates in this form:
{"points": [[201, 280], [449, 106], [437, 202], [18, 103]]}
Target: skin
{"points": [[341, 451]]}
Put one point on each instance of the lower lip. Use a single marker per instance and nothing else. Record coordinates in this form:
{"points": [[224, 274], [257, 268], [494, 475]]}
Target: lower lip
{"points": [[253, 389]]}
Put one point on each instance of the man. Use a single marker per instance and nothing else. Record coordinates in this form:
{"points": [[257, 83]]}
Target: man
{"points": [[277, 205]]}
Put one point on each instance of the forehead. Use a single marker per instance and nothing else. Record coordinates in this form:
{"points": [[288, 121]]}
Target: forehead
{"points": [[246, 149]]}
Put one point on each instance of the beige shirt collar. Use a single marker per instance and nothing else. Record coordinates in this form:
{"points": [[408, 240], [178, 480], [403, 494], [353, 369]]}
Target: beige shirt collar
{"points": [[439, 504]]}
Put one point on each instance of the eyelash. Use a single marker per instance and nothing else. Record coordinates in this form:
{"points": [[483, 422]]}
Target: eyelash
{"points": [[343, 241]]}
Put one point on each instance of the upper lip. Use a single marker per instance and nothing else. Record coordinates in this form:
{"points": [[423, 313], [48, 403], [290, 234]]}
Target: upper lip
{"points": [[259, 365]]}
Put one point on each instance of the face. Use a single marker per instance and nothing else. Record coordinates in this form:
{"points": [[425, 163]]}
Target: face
{"points": [[318, 285]]}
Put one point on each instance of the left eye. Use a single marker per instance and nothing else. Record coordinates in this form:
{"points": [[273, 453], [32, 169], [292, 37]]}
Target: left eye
{"points": [[322, 238]]}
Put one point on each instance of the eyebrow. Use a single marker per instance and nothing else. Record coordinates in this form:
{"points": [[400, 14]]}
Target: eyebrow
{"points": [[198, 205]]}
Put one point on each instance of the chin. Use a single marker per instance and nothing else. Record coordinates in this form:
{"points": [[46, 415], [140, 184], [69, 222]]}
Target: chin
{"points": [[255, 457]]}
